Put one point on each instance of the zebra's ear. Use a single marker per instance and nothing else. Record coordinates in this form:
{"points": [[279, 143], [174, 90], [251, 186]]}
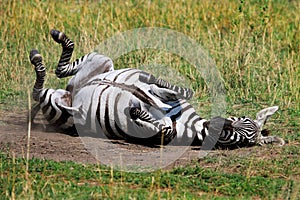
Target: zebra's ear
{"points": [[263, 115]]}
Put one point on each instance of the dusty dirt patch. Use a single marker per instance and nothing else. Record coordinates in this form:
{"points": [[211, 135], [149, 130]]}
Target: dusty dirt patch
{"points": [[44, 143]]}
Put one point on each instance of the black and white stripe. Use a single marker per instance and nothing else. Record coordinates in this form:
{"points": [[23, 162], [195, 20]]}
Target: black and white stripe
{"points": [[129, 104]]}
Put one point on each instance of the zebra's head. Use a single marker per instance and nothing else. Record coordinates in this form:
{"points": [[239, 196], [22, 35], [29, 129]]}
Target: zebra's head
{"points": [[245, 131]]}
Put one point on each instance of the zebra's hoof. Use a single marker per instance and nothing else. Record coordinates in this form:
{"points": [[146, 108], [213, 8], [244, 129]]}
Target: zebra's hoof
{"points": [[35, 57], [57, 35]]}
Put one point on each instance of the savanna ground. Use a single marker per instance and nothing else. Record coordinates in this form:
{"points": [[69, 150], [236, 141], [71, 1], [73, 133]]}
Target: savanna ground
{"points": [[255, 45]]}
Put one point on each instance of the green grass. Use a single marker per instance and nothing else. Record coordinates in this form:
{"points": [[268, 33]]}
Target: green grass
{"points": [[68, 180], [255, 45]]}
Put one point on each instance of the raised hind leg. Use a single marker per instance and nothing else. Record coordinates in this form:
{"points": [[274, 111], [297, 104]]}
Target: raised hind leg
{"points": [[55, 104], [40, 70], [64, 68], [92, 62]]}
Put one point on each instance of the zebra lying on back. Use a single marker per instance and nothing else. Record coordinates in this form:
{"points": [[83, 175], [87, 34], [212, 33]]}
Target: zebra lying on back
{"points": [[133, 105]]}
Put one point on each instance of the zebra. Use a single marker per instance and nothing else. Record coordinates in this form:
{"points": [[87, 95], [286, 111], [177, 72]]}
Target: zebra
{"points": [[133, 105]]}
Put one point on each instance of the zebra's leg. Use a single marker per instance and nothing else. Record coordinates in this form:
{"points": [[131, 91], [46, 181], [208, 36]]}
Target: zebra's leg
{"points": [[40, 70], [163, 87], [142, 118], [94, 63], [136, 113], [55, 104], [64, 68], [185, 93]]}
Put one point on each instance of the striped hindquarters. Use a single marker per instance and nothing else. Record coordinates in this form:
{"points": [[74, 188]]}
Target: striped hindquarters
{"points": [[56, 108]]}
